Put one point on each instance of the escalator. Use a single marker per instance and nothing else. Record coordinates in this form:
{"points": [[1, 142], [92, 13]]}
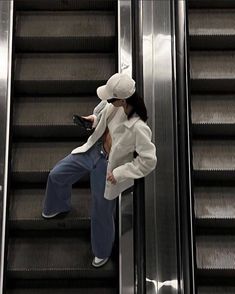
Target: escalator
{"points": [[212, 74], [63, 50]]}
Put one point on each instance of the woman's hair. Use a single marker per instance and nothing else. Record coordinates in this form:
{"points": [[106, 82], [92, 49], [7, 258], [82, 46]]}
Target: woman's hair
{"points": [[138, 106]]}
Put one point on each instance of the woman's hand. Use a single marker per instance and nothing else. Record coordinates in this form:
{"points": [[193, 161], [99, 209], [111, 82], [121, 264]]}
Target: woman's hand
{"points": [[89, 117], [110, 178]]}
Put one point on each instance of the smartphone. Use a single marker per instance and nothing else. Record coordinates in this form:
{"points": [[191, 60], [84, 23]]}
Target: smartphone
{"points": [[78, 120]]}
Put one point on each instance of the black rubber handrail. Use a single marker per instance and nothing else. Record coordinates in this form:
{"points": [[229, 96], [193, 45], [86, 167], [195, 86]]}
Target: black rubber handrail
{"points": [[185, 200], [139, 189]]}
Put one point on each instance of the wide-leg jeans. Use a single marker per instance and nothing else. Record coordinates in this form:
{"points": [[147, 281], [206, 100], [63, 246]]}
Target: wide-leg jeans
{"points": [[58, 194]]}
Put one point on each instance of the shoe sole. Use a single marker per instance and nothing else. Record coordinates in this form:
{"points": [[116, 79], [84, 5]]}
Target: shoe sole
{"points": [[101, 263], [54, 215]]}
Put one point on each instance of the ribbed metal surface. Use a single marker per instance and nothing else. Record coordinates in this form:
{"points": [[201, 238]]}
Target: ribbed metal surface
{"points": [[214, 155], [62, 73], [31, 162], [213, 114], [33, 116], [212, 28], [87, 31], [216, 253], [216, 290], [54, 257], [64, 50], [31, 219], [211, 4], [64, 290], [215, 206], [65, 5], [212, 71]]}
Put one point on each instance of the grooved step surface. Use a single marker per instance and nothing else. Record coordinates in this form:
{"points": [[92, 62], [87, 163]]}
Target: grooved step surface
{"points": [[212, 28], [65, 5], [65, 31], [212, 22], [214, 155], [216, 253], [211, 4], [215, 206], [62, 73], [31, 219], [213, 109], [212, 71], [216, 290], [37, 258], [50, 116], [31, 162], [63, 291]]}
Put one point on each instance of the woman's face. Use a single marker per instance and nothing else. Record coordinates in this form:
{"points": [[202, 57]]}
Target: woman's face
{"points": [[116, 102]]}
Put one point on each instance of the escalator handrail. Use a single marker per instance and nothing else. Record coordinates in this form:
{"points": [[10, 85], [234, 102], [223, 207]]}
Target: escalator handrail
{"points": [[139, 187], [185, 197], [6, 36]]}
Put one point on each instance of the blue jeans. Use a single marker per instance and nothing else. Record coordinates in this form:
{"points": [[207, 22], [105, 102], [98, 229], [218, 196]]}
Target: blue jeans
{"points": [[58, 194]]}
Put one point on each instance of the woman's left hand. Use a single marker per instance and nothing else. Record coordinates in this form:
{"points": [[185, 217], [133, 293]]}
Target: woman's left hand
{"points": [[110, 178]]}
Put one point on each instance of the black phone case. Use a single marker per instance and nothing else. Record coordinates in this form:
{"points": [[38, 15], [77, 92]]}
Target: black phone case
{"points": [[78, 120]]}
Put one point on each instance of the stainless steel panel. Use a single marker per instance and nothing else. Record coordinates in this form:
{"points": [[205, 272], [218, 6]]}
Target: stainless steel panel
{"points": [[6, 27], [126, 258], [158, 64]]}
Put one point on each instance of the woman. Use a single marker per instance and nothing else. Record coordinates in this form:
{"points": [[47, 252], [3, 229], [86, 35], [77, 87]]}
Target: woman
{"points": [[108, 154]]}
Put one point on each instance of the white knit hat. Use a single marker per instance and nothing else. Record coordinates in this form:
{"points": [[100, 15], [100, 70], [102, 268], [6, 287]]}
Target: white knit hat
{"points": [[120, 86]]}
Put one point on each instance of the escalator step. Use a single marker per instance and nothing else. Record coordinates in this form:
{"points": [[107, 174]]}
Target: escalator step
{"points": [[84, 31], [212, 71], [213, 114], [65, 5], [31, 219], [215, 207], [212, 29], [215, 255], [64, 290], [31, 162], [62, 73], [214, 159], [216, 290], [37, 258], [50, 116], [211, 4]]}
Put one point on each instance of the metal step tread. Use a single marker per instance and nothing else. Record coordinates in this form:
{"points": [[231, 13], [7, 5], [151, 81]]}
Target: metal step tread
{"points": [[51, 111], [31, 219], [58, 24], [214, 155], [95, 290], [40, 156], [65, 5], [211, 4], [213, 65], [212, 22], [64, 67], [62, 74], [215, 206], [216, 290], [32, 161], [216, 253], [213, 110], [37, 258]]}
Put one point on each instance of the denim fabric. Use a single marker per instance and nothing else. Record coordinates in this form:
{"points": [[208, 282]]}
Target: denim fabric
{"points": [[58, 194]]}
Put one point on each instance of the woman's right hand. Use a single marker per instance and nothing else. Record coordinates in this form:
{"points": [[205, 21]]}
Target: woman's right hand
{"points": [[91, 118]]}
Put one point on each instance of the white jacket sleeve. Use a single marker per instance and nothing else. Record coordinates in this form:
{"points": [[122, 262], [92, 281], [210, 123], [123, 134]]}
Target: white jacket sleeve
{"points": [[145, 161], [97, 112]]}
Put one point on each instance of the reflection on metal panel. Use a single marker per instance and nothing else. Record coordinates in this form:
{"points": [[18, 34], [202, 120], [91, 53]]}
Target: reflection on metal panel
{"points": [[126, 258], [161, 241], [6, 27]]}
